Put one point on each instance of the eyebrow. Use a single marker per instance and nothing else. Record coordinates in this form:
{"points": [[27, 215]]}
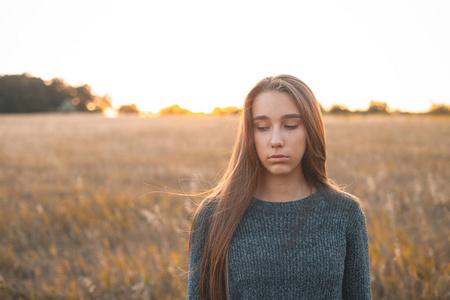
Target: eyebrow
{"points": [[289, 116]]}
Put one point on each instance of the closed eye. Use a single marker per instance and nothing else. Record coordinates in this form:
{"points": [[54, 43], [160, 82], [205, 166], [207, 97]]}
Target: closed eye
{"points": [[260, 128], [291, 126]]}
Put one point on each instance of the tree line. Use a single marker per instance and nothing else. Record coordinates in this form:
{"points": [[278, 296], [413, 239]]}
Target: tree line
{"points": [[378, 107], [26, 94], [375, 107]]}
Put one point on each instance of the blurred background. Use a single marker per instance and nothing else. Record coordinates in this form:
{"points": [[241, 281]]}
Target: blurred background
{"points": [[111, 111]]}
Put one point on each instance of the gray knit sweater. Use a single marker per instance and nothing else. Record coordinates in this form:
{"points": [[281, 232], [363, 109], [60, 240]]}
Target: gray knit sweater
{"points": [[313, 248]]}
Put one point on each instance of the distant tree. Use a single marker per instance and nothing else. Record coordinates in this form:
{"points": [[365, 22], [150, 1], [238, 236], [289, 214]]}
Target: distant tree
{"points": [[231, 110], [67, 106], [22, 93], [26, 94], [131, 108], [339, 109], [59, 94], [174, 110], [378, 107], [85, 98], [440, 109], [104, 102]]}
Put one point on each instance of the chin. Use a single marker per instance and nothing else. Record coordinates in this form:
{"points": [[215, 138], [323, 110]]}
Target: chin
{"points": [[283, 170], [280, 171]]}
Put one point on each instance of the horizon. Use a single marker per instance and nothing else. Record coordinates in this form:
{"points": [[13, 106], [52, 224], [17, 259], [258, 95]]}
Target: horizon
{"points": [[327, 110], [112, 112], [133, 107]]}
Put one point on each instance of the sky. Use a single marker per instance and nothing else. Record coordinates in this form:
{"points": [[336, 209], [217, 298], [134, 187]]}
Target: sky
{"points": [[207, 54]]}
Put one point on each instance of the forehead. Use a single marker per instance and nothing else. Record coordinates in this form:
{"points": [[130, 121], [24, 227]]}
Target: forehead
{"points": [[274, 105]]}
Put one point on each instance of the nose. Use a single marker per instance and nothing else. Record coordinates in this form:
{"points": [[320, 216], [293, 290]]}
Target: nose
{"points": [[276, 140]]}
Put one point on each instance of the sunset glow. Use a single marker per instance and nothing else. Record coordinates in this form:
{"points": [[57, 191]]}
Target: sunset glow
{"points": [[110, 113], [202, 54]]}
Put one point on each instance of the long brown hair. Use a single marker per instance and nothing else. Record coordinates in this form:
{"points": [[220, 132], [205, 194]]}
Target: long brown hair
{"points": [[234, 193]]}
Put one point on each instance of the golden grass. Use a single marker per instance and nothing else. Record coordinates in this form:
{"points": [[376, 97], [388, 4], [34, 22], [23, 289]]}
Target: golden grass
{"points": [[77, 219]]}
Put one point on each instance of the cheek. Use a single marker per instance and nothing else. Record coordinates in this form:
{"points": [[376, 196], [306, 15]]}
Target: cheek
{"points": [[299, 142], [259, 143], [303, 144], [301, 135]]}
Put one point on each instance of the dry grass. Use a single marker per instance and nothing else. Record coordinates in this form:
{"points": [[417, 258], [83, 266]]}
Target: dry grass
{"points": [[77, 219]]}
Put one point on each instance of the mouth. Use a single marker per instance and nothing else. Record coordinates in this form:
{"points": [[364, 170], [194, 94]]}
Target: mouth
{"points": [[278, 158]]}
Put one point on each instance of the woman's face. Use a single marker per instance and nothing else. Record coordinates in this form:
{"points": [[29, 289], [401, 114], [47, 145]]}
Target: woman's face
{"points": [[279, 133]]}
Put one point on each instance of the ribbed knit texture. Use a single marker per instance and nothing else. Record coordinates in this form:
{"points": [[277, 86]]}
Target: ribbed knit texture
{"points": [[313, 248]]}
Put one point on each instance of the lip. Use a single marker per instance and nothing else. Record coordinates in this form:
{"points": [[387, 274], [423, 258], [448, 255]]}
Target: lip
{"points": [[278, 158]]}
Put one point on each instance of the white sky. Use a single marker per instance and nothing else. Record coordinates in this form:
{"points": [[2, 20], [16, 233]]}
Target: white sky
{"points": [[203, 54]]}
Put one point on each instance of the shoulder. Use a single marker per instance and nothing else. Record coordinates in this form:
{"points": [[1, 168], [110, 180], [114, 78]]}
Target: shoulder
{"points": [[342, 199], [345, 204], [204, 212], [200, 226]]}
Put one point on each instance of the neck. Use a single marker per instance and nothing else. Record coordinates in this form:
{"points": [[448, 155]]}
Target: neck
{"points": [[277, 188]]}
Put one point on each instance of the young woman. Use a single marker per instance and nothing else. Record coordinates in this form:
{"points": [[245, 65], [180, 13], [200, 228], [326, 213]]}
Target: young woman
{"points": [[276, 227]]}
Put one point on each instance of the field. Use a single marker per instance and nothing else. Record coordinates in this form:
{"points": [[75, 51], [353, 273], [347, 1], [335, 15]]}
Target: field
{"points": [[87, 209]]}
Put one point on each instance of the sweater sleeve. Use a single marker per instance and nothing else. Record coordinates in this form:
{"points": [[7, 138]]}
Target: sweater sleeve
{"points": [[199, 233], [194, 267], [356, 281]]}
